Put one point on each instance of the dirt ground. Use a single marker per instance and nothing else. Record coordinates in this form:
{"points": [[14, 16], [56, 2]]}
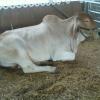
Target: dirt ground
{"points": [[78, 80]]}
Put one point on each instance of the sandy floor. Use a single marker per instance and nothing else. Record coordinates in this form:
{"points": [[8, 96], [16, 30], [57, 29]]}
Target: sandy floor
{"points": [[78, 80]]}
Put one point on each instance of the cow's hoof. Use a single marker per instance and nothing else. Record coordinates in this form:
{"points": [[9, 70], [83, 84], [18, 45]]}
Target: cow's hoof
{"points": [[57, 71], [51, 69]]}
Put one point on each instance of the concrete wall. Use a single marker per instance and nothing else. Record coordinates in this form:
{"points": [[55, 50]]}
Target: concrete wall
{"points": [[30, 16]]}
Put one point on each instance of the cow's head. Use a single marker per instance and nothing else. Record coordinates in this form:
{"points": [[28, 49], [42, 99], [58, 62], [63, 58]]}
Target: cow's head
{"points": [[82, 20], [86, 21]]}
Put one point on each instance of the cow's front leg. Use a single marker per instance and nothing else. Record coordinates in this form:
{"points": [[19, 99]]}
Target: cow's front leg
{"points": [[64, 56]]}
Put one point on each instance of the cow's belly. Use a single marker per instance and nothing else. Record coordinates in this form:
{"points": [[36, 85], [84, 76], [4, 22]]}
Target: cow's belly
{"points": [[36, 56], [40, 54]]}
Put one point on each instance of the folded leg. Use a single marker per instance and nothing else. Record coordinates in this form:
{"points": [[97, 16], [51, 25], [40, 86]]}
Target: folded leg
{"points": [[64, 56], [15, 52]]}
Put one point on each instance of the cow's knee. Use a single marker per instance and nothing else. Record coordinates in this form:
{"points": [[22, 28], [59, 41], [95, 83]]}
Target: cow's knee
{"points": [[65, 56]]}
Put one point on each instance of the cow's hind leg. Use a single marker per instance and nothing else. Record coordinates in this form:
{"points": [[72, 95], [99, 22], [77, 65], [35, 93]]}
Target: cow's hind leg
{"points": [[33, 68], [28, 66], [22, 59], [16, 53]]}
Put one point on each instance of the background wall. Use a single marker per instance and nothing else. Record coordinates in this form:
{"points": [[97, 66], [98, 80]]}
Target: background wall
{"points": [[21, 17]]}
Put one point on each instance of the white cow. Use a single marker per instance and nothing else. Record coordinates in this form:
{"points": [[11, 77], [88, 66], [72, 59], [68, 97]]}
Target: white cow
{"points": [[53, 38]]}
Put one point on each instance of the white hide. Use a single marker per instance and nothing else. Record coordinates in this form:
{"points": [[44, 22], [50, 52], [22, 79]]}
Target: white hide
{"points": [[48, 40]]}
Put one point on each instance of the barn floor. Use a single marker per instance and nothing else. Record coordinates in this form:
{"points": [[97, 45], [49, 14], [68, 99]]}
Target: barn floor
{"points": [[78, 80]]}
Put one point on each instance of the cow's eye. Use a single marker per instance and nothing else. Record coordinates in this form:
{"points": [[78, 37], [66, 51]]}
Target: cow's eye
{"points": [[85, 21]]}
